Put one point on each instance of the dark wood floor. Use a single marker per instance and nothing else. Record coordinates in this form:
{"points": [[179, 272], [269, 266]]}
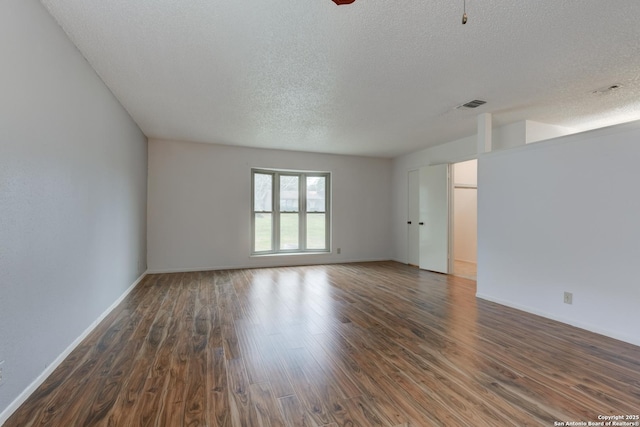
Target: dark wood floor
{"points": [[375, 344]]}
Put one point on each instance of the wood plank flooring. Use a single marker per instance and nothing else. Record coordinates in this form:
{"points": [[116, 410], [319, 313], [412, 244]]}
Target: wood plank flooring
{"points": [[372, 344]]}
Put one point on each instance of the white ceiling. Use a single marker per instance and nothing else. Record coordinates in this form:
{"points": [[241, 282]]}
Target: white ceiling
{"points": [[377, 77]]}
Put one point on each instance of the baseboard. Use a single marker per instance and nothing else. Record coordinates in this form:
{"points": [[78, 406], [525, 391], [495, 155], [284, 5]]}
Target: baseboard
{"points": [[276, 265], [18, 401], [464, 260], [585, 326]]}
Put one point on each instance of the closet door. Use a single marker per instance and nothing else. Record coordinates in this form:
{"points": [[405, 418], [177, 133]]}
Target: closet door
{"points": [[434, 218], [413, 229]]}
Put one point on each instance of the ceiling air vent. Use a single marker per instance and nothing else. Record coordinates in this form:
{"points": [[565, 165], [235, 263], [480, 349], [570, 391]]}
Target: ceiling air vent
{"points": [[472, 104]]}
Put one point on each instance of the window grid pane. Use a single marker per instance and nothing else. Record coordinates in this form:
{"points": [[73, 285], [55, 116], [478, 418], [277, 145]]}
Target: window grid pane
{"points": [[289, 231], [316, 231], [316, 194], [289, 193], [262, 192], [263, 232]]}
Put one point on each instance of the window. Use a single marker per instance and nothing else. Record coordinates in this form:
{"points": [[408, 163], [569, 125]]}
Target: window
{"points": [[290, 211]]}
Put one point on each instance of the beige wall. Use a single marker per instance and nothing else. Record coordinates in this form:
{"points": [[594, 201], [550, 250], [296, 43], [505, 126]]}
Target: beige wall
{"points": [[465, 211]]}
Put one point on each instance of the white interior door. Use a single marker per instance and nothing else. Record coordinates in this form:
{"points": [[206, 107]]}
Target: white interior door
{"points": [[413, 231], [434, 218]]}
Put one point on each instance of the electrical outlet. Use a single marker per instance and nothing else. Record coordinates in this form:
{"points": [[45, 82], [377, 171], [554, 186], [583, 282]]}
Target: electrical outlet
{"points": [[1, 373], [568, 298], [339, 251]]}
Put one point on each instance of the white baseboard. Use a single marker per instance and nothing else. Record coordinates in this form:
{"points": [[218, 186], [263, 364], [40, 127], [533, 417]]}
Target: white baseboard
{"points": [[581, 325], [18, 401]]}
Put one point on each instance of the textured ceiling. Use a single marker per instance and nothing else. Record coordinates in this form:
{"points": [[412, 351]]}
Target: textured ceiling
{"points": [[377, 77]]}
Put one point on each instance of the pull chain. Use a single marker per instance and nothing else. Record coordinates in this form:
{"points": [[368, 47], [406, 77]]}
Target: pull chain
{"points": [[464, 12]]}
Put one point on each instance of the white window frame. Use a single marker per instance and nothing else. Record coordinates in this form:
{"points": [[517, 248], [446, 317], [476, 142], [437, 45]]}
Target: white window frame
{"points": [[302, 211]]}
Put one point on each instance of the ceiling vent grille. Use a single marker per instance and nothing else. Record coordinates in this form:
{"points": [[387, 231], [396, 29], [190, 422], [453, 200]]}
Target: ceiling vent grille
{"points": [[472, 104]]}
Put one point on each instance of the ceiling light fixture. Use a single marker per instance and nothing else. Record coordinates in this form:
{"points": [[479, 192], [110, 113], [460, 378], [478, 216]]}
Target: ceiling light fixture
{"points": [[607, 89], [464, 8]]}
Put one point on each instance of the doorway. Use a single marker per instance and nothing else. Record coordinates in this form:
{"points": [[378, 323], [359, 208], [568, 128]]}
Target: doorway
{"points": [[465, 219]]}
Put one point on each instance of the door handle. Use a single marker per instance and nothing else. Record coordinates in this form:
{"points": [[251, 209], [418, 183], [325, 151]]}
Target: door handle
{"points": [[408, 222], [421, 223]]}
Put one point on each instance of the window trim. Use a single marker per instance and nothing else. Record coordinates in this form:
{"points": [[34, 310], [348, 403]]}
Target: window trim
{"points": [[302, 211]]}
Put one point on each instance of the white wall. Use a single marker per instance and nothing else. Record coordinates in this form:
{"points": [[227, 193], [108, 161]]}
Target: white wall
{"points": [[557, 216], [199, 206], [526, 132], [72, 197], [537, 131], [465, 211], [509, 136]]}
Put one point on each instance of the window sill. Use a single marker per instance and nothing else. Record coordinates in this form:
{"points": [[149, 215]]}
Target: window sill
{"points": [[289, 254]]}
